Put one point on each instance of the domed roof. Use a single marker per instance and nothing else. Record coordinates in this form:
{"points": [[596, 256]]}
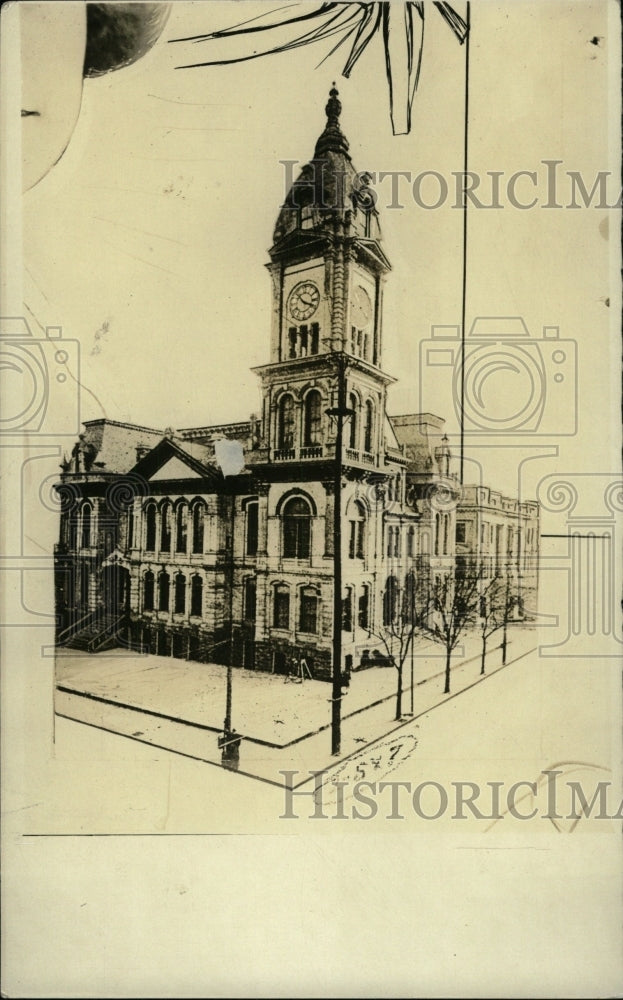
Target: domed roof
{"points": [[328, 184]]}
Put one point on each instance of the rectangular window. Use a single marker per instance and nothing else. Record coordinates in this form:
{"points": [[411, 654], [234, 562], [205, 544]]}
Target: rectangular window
{"points": [[292, 341], [281, 616], [315, 338], [460, 531]]}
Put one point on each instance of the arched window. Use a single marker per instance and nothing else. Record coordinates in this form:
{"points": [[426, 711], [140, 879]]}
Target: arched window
{"points": [[308, 618], [364, 607], [163, 591], [165, 527], [180, 594], [73, 530], [446, 533], [249, 599], [197, 519], [196, 595], [353, 404], [356, 529], [148, 591], [286, 422], [150, 527], [181, 529], [437, 533], [368, 430], [281, 606], [313, 418], [296, 529], [85, 540], [411, 541], [390, 600], [408, 600], [347, 610], [252, 528]]}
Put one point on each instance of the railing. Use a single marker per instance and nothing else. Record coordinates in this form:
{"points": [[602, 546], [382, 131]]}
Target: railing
{"points": [[367, 457], [352, 454], [76, 626], [300, 454], [110, 629]]}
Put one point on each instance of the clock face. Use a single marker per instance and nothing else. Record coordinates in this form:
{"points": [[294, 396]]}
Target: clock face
{"points": [[361, 308], [303, 300]]}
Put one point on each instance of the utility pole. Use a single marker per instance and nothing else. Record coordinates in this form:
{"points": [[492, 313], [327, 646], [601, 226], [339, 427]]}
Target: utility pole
{"points": [[229, 742], [340, 413], [412, 585]]}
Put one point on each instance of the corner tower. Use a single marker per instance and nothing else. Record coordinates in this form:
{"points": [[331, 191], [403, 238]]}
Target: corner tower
{"points": [[327, 267]]}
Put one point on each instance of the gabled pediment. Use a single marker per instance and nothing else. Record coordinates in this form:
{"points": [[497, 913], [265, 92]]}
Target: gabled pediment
{"points": [[170, 462], [175, 468]]}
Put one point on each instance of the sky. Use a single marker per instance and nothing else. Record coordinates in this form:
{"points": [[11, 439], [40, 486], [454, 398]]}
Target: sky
{"points": [[147, 241]]}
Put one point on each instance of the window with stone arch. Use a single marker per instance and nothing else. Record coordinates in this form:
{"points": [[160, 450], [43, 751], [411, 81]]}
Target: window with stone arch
{"points": [[196, 596], [181, 527], [148, 591], [296, 516], [85, 535], [163, 591], [251, 527], [368, 427], [197, 519], [249, 599], [286, 422], [151, 532], [446, 533], [313, 419], [356, 530], [281, 606], [390, 601], [353, 431], [308, 610], [180, 594], [165, 527]]}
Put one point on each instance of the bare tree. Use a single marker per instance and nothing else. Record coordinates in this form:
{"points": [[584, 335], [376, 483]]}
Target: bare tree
{"points": [[495, 606], [397, 637], [454, 606]]}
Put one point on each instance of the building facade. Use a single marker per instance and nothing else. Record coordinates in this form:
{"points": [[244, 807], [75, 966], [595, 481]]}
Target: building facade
{"points": [[167, 549]]}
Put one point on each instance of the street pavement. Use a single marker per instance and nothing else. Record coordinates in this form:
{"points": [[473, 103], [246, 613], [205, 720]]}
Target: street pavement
{"points": [[179, 705]]}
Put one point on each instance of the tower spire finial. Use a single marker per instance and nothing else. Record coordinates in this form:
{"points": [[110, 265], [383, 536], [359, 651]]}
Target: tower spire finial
{"points": [[332, 139]]}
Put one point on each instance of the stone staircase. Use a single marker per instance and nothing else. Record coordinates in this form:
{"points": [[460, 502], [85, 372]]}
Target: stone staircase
{"points": [[99, 632]]}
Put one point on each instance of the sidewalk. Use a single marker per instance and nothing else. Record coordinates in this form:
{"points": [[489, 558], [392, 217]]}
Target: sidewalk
{"points": [[179, 705]]}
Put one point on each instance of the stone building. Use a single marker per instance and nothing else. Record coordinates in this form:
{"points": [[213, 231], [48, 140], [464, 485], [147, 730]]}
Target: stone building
{"points": [[168, 547]]}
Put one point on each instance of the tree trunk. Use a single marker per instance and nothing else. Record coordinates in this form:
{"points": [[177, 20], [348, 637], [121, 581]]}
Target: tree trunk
{"points": [[399, 694], [446, 689], [484, 654]]}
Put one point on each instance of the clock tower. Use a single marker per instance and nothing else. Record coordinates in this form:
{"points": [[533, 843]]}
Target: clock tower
{"points": [[327, 268]]}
